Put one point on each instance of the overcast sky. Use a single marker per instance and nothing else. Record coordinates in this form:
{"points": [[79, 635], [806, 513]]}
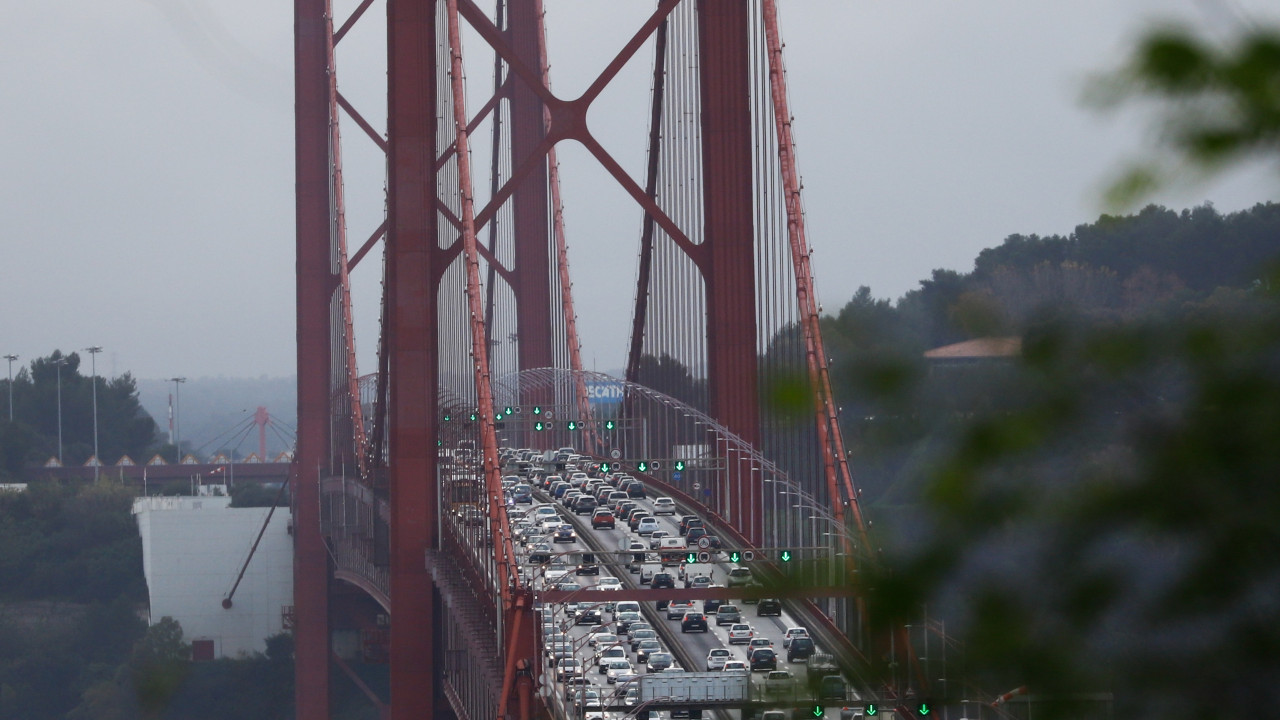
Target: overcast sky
{"points": [[147, 155]]}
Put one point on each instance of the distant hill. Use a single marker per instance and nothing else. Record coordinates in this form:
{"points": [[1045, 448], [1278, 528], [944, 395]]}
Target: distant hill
{"points": [[215, 412]]}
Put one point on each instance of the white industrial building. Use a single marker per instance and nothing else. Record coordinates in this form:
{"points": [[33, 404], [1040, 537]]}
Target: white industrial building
{"points": [[192, 551]]}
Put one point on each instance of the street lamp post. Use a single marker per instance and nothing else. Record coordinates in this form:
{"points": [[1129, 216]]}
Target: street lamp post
{"points": [[93, 351], [10, 357], [177, 415], [58, 364]]}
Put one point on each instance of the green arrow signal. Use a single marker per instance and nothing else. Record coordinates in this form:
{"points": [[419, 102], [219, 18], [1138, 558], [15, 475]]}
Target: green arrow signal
{"points": [[925, 709], [734, 556], [786, 556], [817, 711], [872, 709]]}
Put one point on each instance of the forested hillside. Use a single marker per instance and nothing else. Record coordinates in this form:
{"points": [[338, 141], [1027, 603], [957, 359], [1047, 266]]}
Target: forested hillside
{"points": [[1156, 267]]}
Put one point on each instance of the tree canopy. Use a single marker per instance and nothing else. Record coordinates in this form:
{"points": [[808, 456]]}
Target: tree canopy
{"points": [[124, 428]]}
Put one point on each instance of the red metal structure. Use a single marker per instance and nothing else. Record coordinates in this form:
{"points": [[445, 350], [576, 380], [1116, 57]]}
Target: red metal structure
{"points": [[725, 311]]}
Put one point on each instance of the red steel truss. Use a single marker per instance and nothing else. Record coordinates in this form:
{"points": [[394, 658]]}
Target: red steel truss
{"points": [[408, 407]]}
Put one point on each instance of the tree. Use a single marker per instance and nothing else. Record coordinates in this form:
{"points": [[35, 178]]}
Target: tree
{"points": [[1113, 529], [124, 428]]}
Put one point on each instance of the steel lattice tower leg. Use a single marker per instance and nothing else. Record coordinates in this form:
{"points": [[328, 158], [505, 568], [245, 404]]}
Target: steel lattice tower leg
{"points": [[724, 62], [312, 55], [413, 287]]}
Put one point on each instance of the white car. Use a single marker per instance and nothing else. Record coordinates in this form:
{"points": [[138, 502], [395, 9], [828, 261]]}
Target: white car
{"points": [[608, 655], [793, 632], [740, 633], [616, 668], [676, 610], [664, 506], [609, 583], [717, 658], [735, 666], [647, 525], [602, 639]]}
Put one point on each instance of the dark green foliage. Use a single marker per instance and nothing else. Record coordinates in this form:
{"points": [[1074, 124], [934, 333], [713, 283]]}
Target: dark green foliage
{"points": [[1114, 529], [1220, 101], [78, 545]]}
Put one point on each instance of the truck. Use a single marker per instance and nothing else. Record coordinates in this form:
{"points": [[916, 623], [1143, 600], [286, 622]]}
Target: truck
{"points": [[695, 687]]}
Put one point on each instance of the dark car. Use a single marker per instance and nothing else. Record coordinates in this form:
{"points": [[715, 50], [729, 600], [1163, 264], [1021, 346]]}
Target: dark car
{"points": [[602, 518], [713, 542], [663, 580], [685, 520], [590, 616], [769, 606], [635, 489], [633, 519], [694, 534], [763, 659], [800, 649], [711, 605], [693, 622], [584, 505], [564, 533], [587, 568]]}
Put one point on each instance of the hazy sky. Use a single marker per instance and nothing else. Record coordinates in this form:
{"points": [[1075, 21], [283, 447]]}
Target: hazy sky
{"points": [[147, 194]]}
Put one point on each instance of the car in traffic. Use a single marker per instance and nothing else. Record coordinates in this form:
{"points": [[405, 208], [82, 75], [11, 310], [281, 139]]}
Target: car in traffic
{"points": [[623, 620], [615, 668], [564, 533], [634, 518], [609, 583], [638, 635], [758, 642], [716, 659], [693, 622], [695, 534], [731, 666], [567, 668], [728, 615], [601, 519], [575, 686], [793, 632], [611, 652], [779, 683], [800, 650], [739, 576], [769, 606], [647, 525], [663, 580], [602, 639], [697, 581], [541, 554], [655, 538], [590, 616], [664, 506], [676, 610], [584, 505], [763, 658], [647, 648], [740, 634], [659, 661]]}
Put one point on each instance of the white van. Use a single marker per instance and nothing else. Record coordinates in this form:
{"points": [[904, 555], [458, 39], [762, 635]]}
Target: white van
{"points": [[672, 543]]}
